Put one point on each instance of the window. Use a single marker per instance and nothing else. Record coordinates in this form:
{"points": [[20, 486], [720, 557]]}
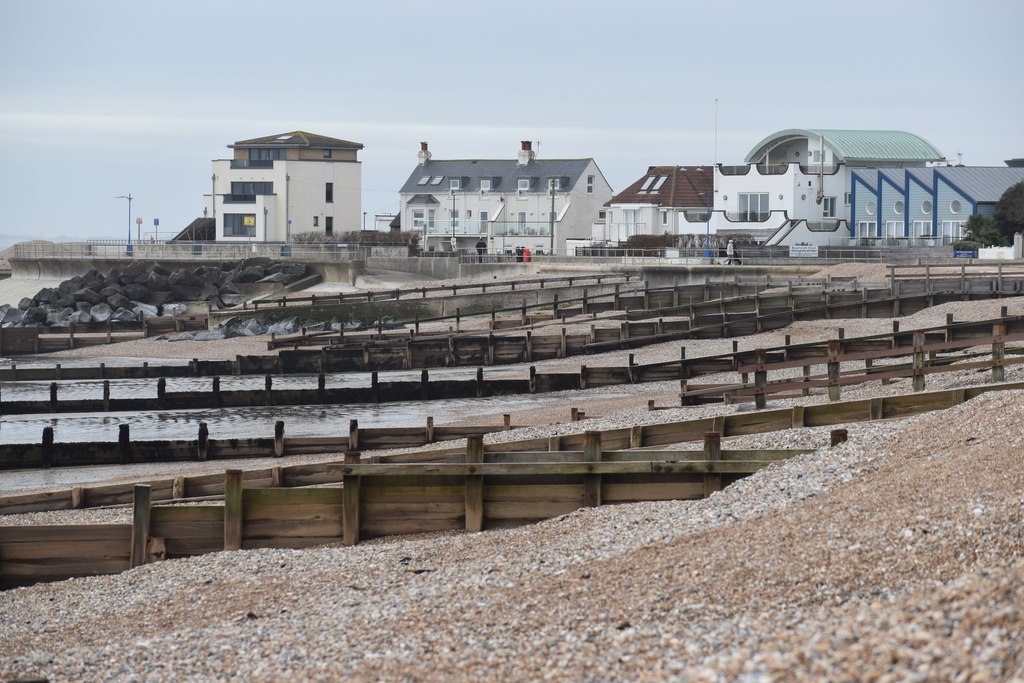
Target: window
{"points": [[954, 206], [266, 154], [894, 229], [653, 184], [923, 228], [866, 228], [239, 225], [754, 207], [590, 184], [454, 184], [327, 154], [417, 219], [602, 215], [554, 184], [664, 217], [952, 230], [436, 180], [897, 207], [521, 219], [926, 206], [329, 225], [846, 199], [424, 180], [252, 188], [828, 207], [485, 185], [483, 220], [329, 193], [869, 208], [316, 221], [524, 184]]}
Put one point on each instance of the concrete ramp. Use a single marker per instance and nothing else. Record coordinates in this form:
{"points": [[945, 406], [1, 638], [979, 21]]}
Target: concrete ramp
{"points": [[13, 290]]}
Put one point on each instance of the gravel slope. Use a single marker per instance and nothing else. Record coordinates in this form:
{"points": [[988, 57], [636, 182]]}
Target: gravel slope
{"points": [[894, 556]]}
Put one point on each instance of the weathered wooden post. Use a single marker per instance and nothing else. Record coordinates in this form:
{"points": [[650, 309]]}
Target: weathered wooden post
{"points": [[591, 482], [216, 392], [374, 387], [203, 441], [998, 352], [506, 420], [479, 382], [760, 378], [53, 397], [268, 384], [233, 510], [106, 395], [919, 361], [47, 447], [837, 436], [124, 444], [533, 379], [583, 377], [834, 390], [474, 484], [350, 490], [353, 435], [429, 432], [424, 385], [279, 438], [161, 393], [712, 454], [140, 524]]}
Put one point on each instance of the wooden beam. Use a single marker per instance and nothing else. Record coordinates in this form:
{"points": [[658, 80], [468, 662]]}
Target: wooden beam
{"points": [[233, 510], [474, 484], [140, 525]]}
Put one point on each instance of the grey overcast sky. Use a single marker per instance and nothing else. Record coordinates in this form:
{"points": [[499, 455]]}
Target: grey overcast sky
{"points": [[106, 98]]}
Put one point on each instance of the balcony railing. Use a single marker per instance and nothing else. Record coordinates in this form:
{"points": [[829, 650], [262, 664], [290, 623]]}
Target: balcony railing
{"points": [[747, 216], [252, 163], [496, 228]]}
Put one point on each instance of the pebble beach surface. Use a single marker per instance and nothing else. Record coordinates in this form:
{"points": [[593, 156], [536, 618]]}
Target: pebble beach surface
{"points": [[894, 556]]}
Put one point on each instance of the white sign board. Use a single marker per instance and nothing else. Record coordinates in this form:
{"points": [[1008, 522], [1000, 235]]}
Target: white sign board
{"points": [[803, 250]]}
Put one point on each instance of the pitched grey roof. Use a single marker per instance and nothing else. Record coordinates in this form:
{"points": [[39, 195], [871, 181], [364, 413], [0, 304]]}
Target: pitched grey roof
{"points": [[868, 176], [504, 174], [298, 138], [982, 183]]}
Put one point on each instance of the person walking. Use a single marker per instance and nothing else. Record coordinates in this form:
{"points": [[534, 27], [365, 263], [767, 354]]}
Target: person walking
{"points": [[481, 249], [730, 252]]}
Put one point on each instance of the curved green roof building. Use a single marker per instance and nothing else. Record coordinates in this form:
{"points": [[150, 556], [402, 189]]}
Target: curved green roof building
{"points": [[852, 147]]}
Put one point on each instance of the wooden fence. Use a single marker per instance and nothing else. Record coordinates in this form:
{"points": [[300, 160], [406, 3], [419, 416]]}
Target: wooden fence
{"points": [[485, 490], [636, 437]]}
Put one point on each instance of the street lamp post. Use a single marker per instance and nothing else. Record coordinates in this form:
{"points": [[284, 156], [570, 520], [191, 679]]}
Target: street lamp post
{"points": [[707, 238], [551, 215], [129, 198]]}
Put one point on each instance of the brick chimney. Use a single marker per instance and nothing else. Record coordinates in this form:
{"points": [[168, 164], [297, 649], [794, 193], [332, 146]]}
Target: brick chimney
{"points": [[424, 155], [526, 153]]}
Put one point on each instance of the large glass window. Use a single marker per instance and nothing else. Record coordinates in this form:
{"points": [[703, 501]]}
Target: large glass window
{"points": [[754, 207], [239, 225], [267, 154], [252, 188], [329, 193]]}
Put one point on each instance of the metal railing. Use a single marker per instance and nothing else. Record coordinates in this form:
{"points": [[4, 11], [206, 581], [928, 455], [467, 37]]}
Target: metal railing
{"points": [[186, 251], [495, 228], [252, 163]]}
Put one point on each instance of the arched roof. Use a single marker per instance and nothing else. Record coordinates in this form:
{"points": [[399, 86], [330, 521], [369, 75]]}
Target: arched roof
{"points": [[856, 145]]}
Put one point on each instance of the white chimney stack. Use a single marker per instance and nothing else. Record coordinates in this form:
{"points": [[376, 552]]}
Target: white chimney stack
{"points": [[424, 155], [526, 153]]}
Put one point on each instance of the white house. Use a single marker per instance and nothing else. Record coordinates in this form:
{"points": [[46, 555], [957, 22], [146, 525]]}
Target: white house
{"points": [[277, 186], [796, 183], [522, 202], [665, 200]]}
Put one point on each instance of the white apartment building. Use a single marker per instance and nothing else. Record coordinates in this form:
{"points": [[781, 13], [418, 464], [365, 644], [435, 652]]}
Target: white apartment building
{"points": [[277, 186], [796, 183], [508, 203]]}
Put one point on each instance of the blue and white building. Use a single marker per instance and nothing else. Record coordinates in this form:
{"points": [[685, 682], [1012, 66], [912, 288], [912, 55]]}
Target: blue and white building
{"points": [[924, 206], [796, 186]]}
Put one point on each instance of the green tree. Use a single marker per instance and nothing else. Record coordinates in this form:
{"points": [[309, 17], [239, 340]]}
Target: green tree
{"points": [[1010, 211], [984, 231]]}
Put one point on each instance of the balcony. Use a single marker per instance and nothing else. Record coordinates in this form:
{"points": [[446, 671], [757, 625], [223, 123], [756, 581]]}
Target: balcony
{"points": [[239, 199], [252, 163], [476, 228]]}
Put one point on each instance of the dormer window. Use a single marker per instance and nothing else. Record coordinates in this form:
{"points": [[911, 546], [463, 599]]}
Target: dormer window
{"points": [[524, 184], [424, 180], [436, 180], [327, 154], [485, 184], [454, 184], [554, 184]]}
